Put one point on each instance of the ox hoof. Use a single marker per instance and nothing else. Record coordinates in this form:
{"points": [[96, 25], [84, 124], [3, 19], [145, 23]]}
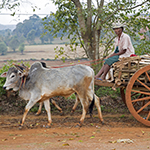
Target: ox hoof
{"points": [[103, 123], [37, 114], [91, 115], [62, 113], [20, 127], [46, 126], [72, 112], [78, 125]]}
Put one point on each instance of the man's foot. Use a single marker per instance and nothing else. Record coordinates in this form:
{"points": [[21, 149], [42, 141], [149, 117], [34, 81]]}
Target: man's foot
{"points": [[99, 79]]}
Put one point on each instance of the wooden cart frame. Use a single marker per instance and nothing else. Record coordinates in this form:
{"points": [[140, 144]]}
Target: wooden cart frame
{"points": [[134, 90]]}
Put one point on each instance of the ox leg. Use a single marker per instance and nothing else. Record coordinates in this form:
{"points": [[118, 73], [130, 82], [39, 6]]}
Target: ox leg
{"points": [[85, 105], [47, 108], [40, 109], [27, 108], [97, 104], [54, 103], [75, 105]]}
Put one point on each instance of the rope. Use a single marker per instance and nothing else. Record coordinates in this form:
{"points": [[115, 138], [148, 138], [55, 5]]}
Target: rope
{"points": [[85, 62]]}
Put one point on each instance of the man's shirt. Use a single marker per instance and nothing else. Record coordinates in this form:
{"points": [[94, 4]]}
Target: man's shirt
{"points": [[124, 43]]}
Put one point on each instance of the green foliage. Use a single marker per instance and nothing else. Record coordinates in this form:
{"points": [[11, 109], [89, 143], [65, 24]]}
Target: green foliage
{"points": [[143, 47], [105, 91], [73, 96], [31, 36], [25, 31], [34, 109], [11, 5], [3, 48], [21, 48], [14, 43]]}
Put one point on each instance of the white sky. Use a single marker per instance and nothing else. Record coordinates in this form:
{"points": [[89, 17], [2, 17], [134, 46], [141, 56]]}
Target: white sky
{"points": [[45, 8]]}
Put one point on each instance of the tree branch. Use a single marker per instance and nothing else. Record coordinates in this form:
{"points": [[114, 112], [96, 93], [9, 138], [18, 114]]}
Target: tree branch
{"points": [[100, 6], [111, 14], [136, 5], [89, 17], [80, 16], [81, 41]]}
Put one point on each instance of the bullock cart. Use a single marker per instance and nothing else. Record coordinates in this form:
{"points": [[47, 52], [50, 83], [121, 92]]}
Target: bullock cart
{"points": [[132, 76]]}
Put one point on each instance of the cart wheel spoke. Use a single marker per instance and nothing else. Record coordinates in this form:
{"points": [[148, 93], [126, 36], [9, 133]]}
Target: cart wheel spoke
{"points": [[138, 95], [147, 76], [141, 99], [141, 92], [143, 107], [148, 116], [143, 84]]}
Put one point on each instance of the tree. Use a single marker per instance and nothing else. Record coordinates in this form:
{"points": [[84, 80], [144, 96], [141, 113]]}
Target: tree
{"points": [[21, 48], [90, 22], [47, 37], [31, 36], [14, 43], [3, 48]]}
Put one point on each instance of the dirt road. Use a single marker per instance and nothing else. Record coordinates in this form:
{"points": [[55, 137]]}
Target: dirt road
{"points": [[118, 133], [63, 134]]}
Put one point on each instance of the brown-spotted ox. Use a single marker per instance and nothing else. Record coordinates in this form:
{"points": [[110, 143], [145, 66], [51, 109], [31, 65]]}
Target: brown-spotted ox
{"points": [[43, 83]]}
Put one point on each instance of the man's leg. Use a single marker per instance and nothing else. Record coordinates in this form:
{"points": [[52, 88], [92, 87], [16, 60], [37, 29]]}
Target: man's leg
{"points": [[100, 72], [106, 69]]}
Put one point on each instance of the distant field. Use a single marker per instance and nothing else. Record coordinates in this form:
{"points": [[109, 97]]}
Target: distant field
{"points": [[40, 52]]}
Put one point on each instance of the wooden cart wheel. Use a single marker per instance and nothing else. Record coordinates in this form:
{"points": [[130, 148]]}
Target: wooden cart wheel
{"points": [[138, 95]]}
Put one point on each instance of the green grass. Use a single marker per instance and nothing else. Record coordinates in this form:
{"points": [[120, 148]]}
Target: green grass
{"points": [[105, 91]]}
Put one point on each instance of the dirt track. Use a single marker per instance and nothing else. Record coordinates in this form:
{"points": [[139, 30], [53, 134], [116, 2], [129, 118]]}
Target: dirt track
{"points": [[64, 135]]}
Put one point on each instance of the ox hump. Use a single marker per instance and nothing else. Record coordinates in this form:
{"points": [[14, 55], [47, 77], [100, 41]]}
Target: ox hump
{"points": [[35, 67]]}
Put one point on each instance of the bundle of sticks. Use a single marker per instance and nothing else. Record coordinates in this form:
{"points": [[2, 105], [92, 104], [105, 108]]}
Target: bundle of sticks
{"points": [[126, 67]]}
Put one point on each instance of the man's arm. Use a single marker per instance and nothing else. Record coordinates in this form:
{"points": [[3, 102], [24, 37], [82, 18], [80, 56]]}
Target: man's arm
{"points": [[119, 53]]}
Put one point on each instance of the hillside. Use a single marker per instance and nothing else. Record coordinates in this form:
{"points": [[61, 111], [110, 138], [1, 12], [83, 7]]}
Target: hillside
{"points": [[4, 27]]}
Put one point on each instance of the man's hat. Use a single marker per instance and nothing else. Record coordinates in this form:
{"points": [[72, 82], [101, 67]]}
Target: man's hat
{"points": [[117, 25]]}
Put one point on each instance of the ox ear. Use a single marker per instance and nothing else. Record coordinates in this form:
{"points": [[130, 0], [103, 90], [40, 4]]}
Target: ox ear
{"points": [[4, 74]]}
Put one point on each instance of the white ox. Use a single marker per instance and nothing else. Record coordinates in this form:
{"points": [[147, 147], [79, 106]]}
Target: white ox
{"points": [[43, 83]]}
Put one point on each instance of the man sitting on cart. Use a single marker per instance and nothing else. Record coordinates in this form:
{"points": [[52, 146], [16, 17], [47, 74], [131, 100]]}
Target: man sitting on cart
{"points": [[123, 48]]}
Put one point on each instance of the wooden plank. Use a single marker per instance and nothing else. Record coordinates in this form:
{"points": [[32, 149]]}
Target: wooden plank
{"points": [[131, 71], [108, 84], [103, 83]]}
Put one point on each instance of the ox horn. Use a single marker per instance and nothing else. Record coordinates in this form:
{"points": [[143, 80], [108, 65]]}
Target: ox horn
{"points": [[22, 68]]}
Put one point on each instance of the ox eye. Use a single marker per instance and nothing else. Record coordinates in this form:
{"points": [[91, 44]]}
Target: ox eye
{"points": [[12, 76]]}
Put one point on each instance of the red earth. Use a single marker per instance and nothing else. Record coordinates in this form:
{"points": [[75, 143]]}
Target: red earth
{"points": [[120, 132]]}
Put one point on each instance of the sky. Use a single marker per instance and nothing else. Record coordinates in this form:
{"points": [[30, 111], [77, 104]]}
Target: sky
{"points": [[44, 7]]}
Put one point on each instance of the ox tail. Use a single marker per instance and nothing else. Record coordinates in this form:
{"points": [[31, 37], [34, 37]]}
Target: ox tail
{"points": [[91, 106]]}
